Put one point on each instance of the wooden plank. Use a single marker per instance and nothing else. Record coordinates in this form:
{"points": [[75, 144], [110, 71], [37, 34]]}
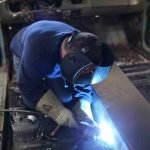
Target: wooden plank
{"points": [[128, 109]]}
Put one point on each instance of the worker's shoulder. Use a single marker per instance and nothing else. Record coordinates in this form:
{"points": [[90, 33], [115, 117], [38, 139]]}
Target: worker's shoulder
{"points": [[50, 25], [49, 22], [46, 27]]}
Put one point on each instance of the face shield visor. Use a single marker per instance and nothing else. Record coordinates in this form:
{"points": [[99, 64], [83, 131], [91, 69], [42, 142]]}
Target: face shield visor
{"points": [[100, 74], [78, 69]]}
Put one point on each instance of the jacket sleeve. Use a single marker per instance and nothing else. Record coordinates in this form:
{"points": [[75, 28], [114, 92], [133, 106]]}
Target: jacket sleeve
{"points": [[33, 69], [83, 92]]}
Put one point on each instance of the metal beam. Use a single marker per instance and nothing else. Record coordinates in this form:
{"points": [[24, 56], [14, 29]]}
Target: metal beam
{"points": [[128, 109]]}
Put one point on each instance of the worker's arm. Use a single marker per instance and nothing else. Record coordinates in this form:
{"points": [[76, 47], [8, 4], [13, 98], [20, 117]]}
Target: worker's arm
{"points": [[52, 107], [82, 109], [83, 92], [33, 69]]}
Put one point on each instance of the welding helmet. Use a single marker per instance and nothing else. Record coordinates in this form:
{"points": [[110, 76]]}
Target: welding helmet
{"points": [[89, 61]]}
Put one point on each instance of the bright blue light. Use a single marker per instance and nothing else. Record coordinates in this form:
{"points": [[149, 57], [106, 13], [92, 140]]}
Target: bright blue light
{"points": [[107, 133], [100, 74]]}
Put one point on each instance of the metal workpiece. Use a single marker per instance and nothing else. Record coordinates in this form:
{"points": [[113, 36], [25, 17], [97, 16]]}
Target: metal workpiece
{"points": [[140, 77], [127, 108]]}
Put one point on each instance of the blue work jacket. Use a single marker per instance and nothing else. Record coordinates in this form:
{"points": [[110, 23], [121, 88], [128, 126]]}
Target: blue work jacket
{"points": [[38, 46]]}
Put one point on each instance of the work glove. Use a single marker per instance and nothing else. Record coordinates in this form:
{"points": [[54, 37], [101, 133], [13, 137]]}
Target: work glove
{"points": [[89, 131], [83, 113], [53, 108]]}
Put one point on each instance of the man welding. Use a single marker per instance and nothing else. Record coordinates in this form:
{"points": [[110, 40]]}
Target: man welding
{"points": [[56, 64]]}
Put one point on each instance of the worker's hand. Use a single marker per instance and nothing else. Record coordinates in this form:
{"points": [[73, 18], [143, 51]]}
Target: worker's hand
{"points": [[89, 131], [53, 108], [65, 118]]}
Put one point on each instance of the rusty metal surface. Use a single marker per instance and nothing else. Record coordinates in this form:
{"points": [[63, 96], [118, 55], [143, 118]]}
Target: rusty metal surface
{"points": [[128, 109]]}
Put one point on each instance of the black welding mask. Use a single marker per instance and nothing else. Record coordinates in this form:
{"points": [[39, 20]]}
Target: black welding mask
{"points": [[89, 61], [77, 68]]}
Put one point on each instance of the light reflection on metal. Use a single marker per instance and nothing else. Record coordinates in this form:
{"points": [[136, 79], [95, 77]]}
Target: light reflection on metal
{"points": [[97, 16], [10, 27], [32, 118], [100, 74], [108, 134]]}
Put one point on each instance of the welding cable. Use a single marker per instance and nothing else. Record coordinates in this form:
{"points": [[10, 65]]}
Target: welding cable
{"points": [[21, 111]]}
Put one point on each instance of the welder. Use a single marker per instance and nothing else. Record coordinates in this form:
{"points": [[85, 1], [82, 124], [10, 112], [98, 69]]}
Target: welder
{"points": [[56, 64]]}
